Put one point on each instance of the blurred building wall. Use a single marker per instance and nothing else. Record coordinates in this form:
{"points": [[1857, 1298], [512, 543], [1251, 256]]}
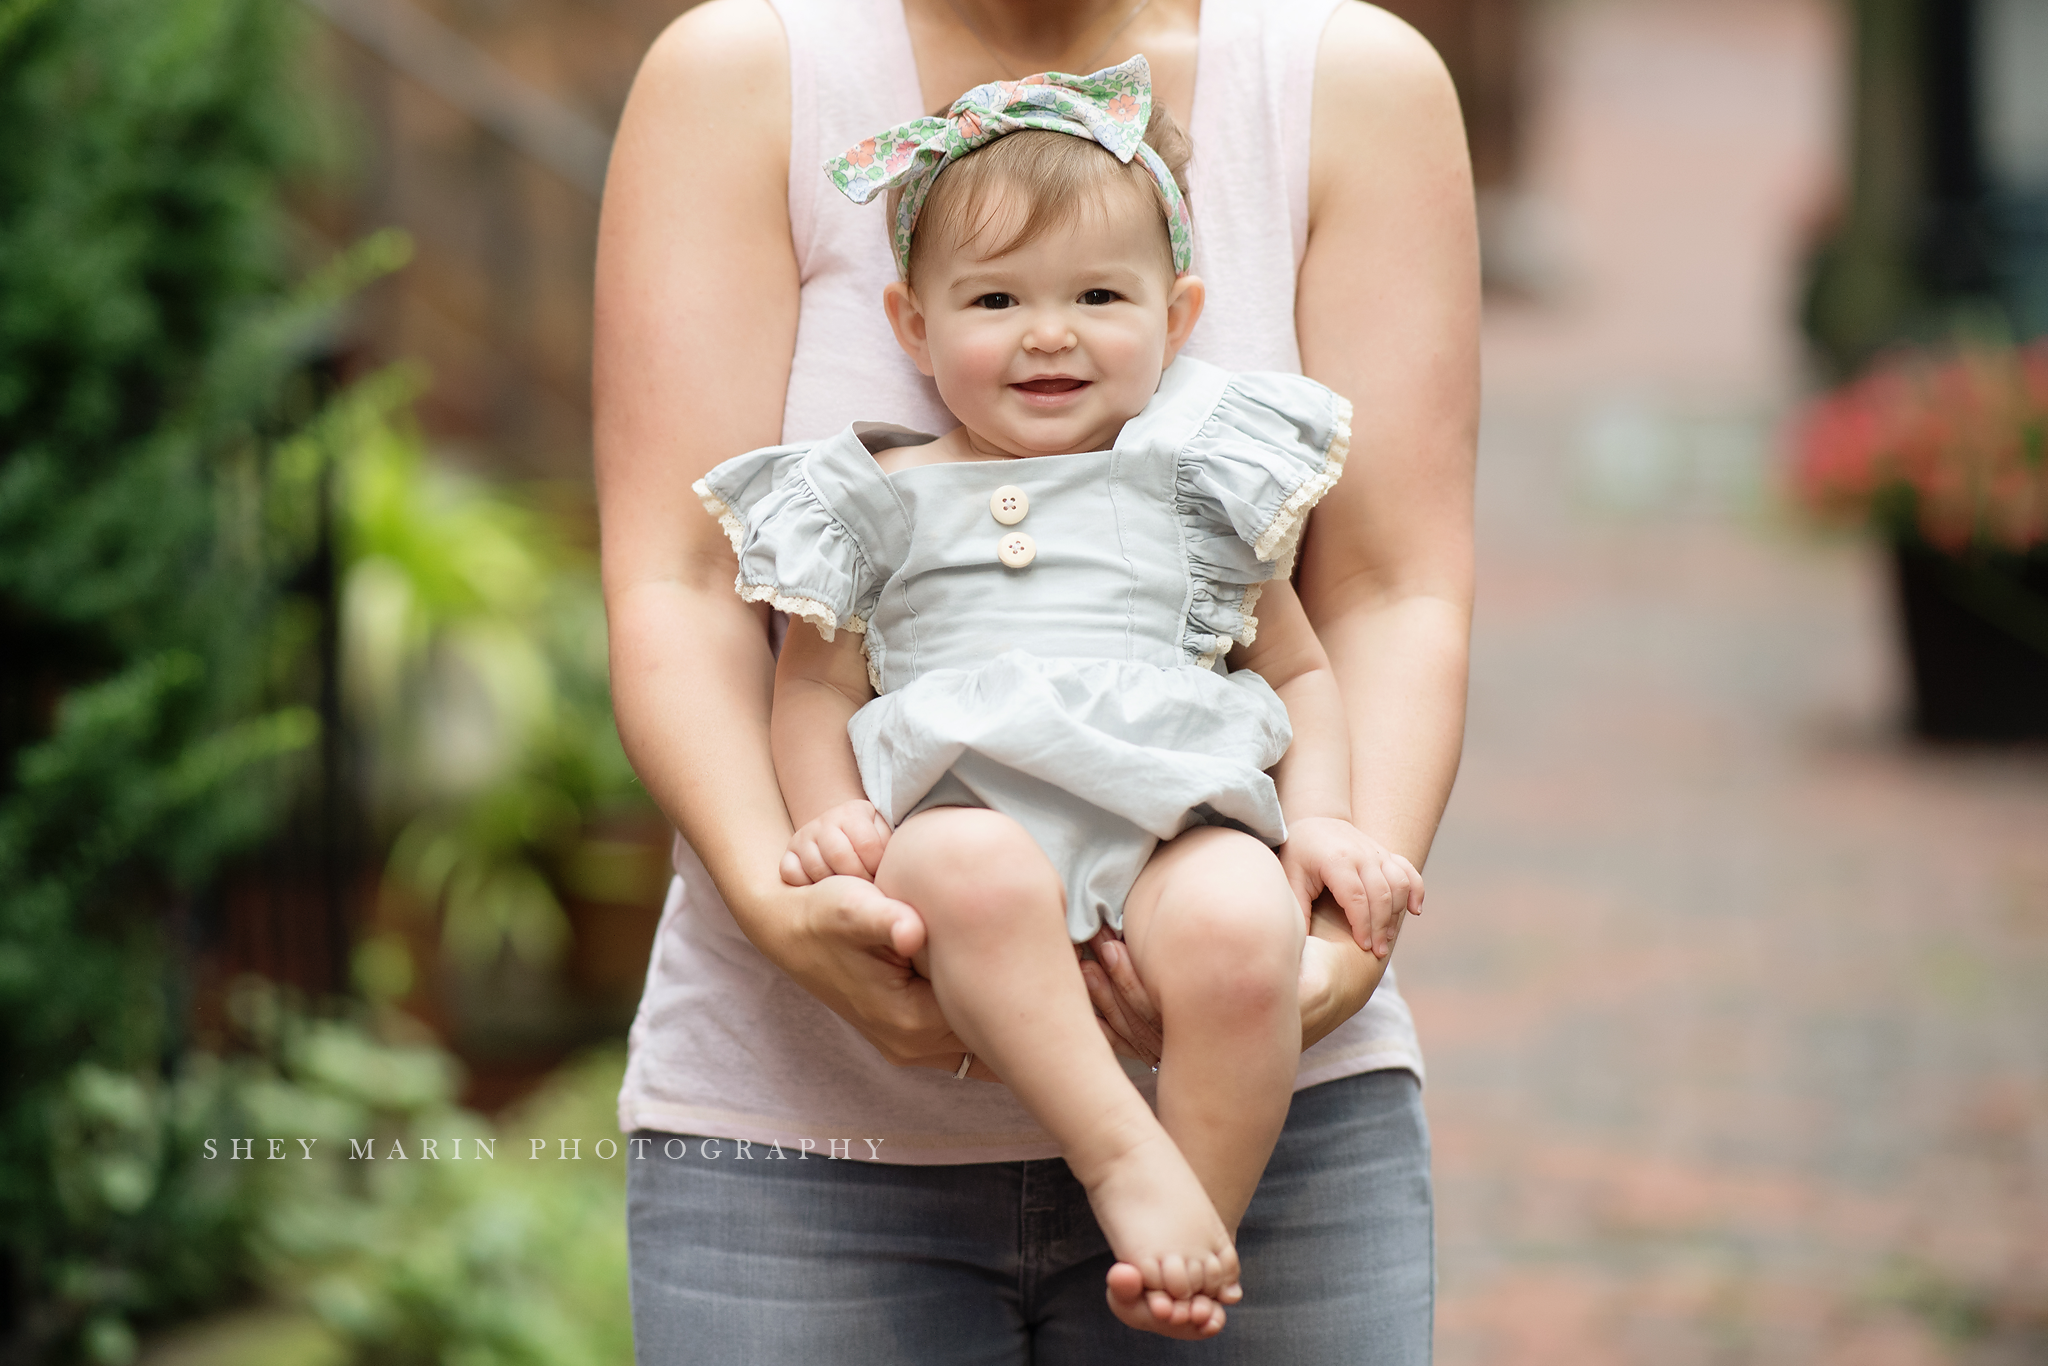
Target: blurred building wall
{"points": [[1681, 158], [497, 302], [1945, 223]]}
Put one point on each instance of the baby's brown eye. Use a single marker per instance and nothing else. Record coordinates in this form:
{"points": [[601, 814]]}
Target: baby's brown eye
{"points": [[994, 301], [1099, 296]]}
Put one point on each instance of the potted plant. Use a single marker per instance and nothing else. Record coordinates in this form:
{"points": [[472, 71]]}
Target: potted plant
{"points": [[1945, 456]]}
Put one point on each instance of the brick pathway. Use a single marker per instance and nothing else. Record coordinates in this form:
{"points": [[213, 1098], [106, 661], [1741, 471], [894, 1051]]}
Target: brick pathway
{"points": [[1735, 1002], [1736, 1005]]}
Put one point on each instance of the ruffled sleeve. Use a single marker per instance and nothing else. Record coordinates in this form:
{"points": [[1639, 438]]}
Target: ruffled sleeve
{"points": [[795, 554], [1246, 481]]}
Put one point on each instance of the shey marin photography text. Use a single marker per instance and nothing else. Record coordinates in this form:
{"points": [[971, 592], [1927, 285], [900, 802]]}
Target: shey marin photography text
{"points": [[639, 1148]]}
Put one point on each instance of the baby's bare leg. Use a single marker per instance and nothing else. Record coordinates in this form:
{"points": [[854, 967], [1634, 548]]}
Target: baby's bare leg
{"points": [[1215, 934], [1004, 972]]}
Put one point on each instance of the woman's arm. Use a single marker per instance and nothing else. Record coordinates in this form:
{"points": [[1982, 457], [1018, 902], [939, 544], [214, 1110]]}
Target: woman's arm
{"points": [[695, 328], [1387, 314]]}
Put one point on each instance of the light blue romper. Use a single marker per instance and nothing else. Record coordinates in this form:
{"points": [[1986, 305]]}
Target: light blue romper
{"points": [[1081, 693]]}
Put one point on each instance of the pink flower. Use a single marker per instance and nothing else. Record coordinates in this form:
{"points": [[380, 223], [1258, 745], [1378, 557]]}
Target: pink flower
{"points": [[1123, 108], [1958, 441], [863, 155]]}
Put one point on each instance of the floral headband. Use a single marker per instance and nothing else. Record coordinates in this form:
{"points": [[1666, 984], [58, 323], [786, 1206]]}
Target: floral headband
{"points": [[1110, 107]]}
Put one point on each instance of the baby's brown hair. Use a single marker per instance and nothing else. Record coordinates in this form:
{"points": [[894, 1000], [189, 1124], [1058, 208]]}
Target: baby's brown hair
{"points": [[1059, 177]]}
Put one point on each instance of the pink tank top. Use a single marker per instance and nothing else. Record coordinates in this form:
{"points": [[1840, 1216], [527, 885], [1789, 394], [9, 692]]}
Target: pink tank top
{"points": [[724, 1044]]}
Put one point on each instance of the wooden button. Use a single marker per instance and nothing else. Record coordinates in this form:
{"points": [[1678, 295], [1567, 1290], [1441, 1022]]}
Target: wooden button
{"points": [[1009, 504], [1016, 550]]}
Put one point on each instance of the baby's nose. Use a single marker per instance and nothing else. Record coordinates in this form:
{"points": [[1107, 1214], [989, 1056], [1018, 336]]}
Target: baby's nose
{"points": [[1049, 334]]}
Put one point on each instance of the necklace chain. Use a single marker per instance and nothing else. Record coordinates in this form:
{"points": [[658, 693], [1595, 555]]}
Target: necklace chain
{"points": [[1004, 67]]}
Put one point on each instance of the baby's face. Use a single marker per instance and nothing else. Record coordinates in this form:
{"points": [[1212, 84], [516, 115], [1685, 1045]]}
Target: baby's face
{"points": [[1051, 348]]}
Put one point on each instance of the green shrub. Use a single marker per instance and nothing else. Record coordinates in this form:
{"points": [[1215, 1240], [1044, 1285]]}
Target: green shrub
{"points": [[154, 678], [514, 1260], [173, 457], [415, 1255], [505, 1260], [473, 638]]}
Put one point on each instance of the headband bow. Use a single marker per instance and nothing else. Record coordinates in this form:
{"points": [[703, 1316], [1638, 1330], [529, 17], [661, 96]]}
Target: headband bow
{"points": [[1110, 107]]}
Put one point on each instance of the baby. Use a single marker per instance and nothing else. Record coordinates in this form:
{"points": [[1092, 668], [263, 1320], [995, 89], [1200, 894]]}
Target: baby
{"points": [[1013, 714]]}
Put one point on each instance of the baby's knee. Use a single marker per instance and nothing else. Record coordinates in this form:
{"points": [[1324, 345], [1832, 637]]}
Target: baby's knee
{"points": [[963, 863], [1239, 942]]}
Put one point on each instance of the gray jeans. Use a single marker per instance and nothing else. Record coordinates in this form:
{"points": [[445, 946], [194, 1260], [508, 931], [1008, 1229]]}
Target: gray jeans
{"points": [[857, 1262]]}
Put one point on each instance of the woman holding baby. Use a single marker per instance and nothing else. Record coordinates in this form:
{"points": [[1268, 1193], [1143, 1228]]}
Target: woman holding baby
{"points": [[832, 964]]}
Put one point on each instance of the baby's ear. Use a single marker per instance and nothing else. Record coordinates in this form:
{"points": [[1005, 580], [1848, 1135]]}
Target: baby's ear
{"points": [[906, 320], [1183, 310]]}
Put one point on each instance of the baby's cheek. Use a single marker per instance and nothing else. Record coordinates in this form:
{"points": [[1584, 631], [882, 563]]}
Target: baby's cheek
{"points": [[970, 369], [1133, 364]]}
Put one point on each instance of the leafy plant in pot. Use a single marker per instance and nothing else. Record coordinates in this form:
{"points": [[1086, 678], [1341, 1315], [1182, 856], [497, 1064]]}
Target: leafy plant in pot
{"points": [[1945, 456]]}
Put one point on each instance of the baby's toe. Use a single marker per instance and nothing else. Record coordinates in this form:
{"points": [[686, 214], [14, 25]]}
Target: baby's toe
{"points": [[1126, 1282], [1232, 1293], [1150, 1272], [1176, 1277]]}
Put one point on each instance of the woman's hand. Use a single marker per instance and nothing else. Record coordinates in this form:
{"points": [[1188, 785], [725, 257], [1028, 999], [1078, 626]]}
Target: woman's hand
{"points": [[851, 947], [1372, 884], [1129, 1019], [845, 841], [1337, 976]]}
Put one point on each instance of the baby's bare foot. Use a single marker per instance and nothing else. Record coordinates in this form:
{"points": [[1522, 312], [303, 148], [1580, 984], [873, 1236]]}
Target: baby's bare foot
{"points": [[1161, 1226], [1153, 1311]]}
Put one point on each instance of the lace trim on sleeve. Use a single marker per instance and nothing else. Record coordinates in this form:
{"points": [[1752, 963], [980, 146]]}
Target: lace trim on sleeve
{"points": [[797, 605], [1231, 571], [735, 529], [1278, 541]]}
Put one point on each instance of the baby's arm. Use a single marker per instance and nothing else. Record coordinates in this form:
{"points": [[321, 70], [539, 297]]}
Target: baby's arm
{"points": [[1324, 850], [819, 685]]}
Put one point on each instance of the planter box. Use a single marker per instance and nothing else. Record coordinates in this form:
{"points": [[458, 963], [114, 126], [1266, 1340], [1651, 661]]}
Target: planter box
{"points": [[1976, 629]]}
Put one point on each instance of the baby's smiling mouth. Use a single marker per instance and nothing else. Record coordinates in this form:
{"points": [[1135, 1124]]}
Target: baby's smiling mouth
{"points": [[1051, 384]]}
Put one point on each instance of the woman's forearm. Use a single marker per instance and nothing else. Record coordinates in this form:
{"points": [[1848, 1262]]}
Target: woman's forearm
{"points": [[1401, 666], [698, 736], [699, 739]]}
